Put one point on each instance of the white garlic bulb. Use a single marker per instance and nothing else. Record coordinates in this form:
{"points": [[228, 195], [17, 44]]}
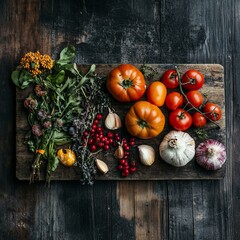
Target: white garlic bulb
{"points": [[177, 148], [146, 154]]}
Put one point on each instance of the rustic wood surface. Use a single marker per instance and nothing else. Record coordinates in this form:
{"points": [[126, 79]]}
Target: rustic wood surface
{"points": [[134, 31], [213, 89]]}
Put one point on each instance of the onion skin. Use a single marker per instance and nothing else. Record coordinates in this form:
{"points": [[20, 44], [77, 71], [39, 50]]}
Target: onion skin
{"points": [[211, 154]]}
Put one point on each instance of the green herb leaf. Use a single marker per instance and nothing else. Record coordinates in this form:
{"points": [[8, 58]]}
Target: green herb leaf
{"points": [[15, 78], [67, 55]]}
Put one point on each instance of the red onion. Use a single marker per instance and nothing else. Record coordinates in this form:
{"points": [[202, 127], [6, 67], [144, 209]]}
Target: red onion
{"points": [[211, 154]]}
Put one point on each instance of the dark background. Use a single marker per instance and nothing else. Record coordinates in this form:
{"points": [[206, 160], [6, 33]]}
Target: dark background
{"points": [[134, 31]]}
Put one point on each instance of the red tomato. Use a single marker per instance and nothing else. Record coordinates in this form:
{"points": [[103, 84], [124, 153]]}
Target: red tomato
{"points": [[212, 111], [170, 78], [192, 80], [180, 120], [195, 98], [126, 83], [156, 93], [198, 120], [174, 100]]}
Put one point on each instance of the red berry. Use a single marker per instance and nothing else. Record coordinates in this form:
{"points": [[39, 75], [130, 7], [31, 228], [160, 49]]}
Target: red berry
{"points": [[100, 144], [126, 171], [92, 130], [95, 121], [126, 153], [132, 169], [99, 129], [110, 134], [93, 148], [126, 164], [118, 138], [97, 139], [126, 148], [122, 161], [124, 174], [116, 135], [99, 116], [106, 142], [106, 147], [90, 141], [124, 140], [94, 126], [132, 139], [85, 134], [120, 167], [110, 141], [125, 145], [131, 143]]}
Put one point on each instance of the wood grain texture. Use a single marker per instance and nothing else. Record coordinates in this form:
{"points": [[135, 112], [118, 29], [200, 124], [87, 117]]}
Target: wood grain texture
{"points": [[213, 89], [136, 31]]}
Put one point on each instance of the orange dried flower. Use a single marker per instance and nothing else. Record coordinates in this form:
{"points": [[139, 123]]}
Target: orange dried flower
{"points": [[36, 63]]}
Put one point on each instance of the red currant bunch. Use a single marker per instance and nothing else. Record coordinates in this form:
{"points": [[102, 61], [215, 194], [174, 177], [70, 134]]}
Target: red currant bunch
{"points": [[125, 165]]}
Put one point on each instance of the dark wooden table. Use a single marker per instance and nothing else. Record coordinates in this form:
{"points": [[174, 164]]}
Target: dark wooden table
{"points": [[139, 31]]}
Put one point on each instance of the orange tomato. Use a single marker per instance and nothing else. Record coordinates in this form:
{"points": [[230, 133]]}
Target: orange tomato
{"points": [[156, 93], [126, 83], [144, 120]]}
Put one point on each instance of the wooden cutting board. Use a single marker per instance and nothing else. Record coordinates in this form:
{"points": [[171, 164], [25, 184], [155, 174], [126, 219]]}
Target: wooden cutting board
{"points": [[214, 90]]}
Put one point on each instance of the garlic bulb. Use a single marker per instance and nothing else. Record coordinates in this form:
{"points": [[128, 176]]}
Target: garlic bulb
{"points": [[177, 148], [102, 166], [146, 154], [211, 154], [113, 121]]}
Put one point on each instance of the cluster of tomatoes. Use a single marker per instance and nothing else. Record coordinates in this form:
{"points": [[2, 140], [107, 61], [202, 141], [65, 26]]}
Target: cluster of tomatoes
{"points": [[189, 96]]}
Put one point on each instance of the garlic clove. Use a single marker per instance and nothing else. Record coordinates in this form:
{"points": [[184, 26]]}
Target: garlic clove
{"points": [[119, 153], [102, 166], [146, 154], [113, 121]]}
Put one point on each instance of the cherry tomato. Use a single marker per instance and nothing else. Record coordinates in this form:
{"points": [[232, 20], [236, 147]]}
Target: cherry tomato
{"points": [[180, 120], [198, 120], [192, 80], [195, 98], [212, 111], [170, 79], [156, 93], [174, 100]]}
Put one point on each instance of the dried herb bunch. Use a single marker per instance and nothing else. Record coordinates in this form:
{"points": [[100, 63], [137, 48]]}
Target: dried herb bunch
{"points": [[61, 106], [94, 102]]}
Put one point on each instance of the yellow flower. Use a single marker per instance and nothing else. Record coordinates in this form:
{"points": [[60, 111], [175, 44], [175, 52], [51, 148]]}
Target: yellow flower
{"points": [[36, 63]]}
